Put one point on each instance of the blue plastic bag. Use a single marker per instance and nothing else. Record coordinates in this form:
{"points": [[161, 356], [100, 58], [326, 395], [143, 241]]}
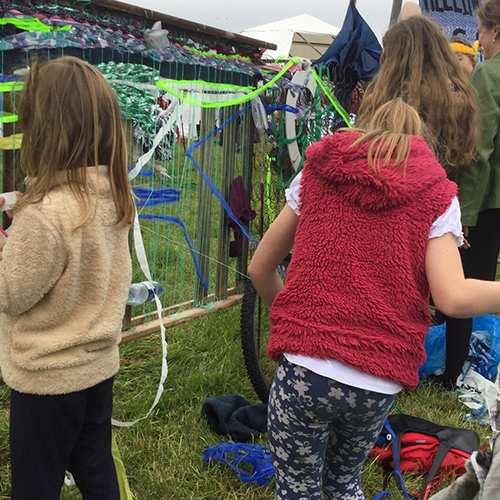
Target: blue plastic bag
{"points": [[435, 349], [484, 348]]}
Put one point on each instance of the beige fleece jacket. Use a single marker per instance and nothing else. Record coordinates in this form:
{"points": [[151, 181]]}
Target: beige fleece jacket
{"points": [[63, 293]]}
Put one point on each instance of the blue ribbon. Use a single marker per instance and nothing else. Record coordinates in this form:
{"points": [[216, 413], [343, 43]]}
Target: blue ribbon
{"points": [[152, 197], [213, 188], [177, 221], [282, 107], [397, 470], [189, 153], [9, 78]]}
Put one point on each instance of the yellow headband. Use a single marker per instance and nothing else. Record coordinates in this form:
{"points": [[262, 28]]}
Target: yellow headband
{"points": [[463, 49]]}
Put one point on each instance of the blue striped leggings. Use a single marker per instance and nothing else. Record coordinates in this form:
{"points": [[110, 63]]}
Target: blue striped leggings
{"points": [[320, 433]]}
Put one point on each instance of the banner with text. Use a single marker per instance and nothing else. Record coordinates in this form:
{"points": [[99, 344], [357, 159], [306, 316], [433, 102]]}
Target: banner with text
{"points": [[456, 17]]}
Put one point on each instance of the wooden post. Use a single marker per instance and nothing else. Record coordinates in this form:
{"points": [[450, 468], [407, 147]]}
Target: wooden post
{"points": [[227, 176], [396, 9], [136, 152], [12, 176], [246, 160], [204, 233]]}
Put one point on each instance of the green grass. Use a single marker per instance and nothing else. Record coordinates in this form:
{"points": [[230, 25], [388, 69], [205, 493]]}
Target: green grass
{"points": [[163, 454]]}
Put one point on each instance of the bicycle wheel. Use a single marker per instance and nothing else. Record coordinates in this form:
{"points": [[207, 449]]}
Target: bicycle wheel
{"points": [[254, 337]]}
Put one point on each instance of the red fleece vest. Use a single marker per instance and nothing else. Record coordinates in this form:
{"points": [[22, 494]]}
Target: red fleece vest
{"points": [[356, 289]]}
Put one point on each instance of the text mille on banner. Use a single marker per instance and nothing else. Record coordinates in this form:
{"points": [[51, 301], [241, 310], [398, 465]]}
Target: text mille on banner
{"points": [[456, 17]]}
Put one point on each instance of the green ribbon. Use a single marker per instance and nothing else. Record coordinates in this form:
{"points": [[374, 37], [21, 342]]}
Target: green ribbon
{"points": [[10, 86], [8, 117], [32, 24], [135, 102], [203, 83], [333, 99], [183, 96]]}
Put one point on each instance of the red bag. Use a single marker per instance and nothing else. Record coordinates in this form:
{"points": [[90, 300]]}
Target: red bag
{"points": [[423, 448]]}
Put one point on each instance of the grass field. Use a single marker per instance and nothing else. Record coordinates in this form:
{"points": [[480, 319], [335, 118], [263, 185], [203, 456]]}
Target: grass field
{"points": [[163, 454]]}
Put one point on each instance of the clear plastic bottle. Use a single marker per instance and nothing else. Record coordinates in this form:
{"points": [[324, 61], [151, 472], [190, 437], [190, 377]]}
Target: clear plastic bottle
{"points": [[140, 293]]}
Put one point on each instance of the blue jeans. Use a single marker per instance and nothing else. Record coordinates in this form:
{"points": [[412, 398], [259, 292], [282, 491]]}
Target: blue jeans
{"points": [[320, 433]]}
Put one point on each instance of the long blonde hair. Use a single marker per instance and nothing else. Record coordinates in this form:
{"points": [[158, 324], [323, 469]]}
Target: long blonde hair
{"points": [[71, 120], [389, 130], [419, 66]]}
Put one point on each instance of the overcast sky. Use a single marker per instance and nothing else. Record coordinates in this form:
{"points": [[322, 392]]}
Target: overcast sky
{"points": [[237, 15]]}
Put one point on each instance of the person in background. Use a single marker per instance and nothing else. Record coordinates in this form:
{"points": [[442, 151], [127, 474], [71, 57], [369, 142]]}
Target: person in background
{"points": [[479, 185], [65, 272], [419, 66], [409, 9], [466, 53]]}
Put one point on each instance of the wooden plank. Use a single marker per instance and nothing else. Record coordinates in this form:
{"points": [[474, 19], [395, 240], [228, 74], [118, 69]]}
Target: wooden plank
{"points": [[204, 210], [178, 319], [227, 175], [182, 23], [247, 157], [168, 311]]}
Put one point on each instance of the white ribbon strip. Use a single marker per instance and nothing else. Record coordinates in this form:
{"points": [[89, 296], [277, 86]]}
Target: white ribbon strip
{"points": [[143, 262], [169, 124]]}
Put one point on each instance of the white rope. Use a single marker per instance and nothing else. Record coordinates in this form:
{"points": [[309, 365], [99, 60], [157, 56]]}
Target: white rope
{"points": [[200, 254]]}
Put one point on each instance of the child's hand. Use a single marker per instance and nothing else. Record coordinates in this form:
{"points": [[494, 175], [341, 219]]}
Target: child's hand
{"points": [[9, 213], [465, 244]]}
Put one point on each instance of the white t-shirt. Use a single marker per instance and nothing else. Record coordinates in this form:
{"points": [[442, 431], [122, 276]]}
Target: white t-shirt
{"points": [[449, 222]]}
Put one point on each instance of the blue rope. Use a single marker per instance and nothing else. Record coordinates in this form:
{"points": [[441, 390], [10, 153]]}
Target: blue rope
{"points": [[397, 470], [152, 197], [213, 188], [254, 455], [384, 494], [282, 107], [189, 153], [177, 221]]}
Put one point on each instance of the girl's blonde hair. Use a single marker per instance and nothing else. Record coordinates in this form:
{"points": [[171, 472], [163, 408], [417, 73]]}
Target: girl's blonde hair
{"points": [[389, 130], [71, 120], [419, 66]]}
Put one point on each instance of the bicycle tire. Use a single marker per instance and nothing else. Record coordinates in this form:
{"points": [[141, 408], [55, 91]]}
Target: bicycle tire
{"points": [[254, 338]]}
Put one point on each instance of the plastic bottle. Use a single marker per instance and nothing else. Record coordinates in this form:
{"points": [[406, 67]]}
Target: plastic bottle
{"points": [[140, 293]]}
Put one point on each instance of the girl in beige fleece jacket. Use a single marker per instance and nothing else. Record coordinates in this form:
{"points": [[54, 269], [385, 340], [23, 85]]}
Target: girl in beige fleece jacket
{"points": [[65, 271]]}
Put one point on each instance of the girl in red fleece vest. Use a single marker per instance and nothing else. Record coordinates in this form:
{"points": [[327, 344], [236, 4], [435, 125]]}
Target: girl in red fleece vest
{"points": [[378, 230]]}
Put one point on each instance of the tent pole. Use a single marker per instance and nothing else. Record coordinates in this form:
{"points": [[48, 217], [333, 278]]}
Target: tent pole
{"points": [[396, 9]]}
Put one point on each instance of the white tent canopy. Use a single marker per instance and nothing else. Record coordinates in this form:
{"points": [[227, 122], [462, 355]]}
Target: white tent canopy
{"points": [[300, 36]]}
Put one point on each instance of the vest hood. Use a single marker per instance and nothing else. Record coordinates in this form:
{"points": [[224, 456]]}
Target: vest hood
{"points": [[346, 167]]}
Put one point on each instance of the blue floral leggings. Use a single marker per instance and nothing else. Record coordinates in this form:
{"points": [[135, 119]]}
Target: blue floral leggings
{"points": [[320, 433]]}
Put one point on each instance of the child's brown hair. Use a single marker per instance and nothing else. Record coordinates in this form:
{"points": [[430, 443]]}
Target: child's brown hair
{"points": [[71, 120], [419, 66]]}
